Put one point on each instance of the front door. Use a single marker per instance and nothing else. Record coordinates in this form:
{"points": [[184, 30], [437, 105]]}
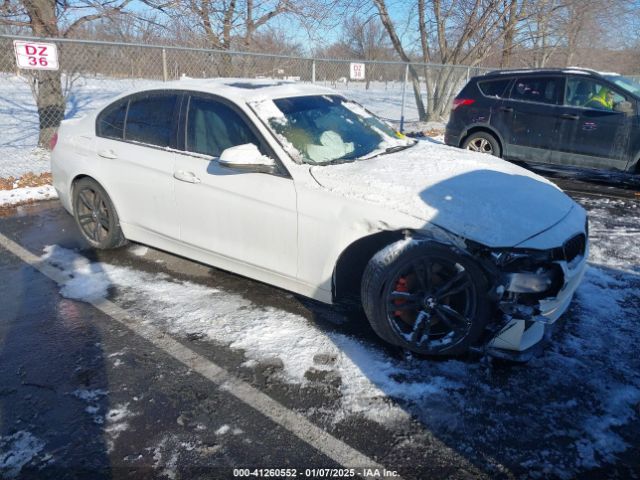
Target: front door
{"points": [[593, 134], [244, 216]]}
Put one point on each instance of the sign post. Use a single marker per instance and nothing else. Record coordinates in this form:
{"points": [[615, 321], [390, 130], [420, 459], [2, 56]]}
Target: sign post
{"points": [[36, 55]]}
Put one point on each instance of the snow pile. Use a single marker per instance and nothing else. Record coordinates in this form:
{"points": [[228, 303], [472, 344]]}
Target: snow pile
{"points": [[89, 281]]}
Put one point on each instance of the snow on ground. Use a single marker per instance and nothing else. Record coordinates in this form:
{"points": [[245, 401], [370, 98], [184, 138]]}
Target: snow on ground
{"points": [[574, 399], [19, 117], [16, 451], [26, 194]]}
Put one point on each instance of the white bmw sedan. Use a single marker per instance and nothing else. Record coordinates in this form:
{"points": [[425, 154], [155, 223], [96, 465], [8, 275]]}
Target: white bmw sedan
{"points": [[296, 186]]}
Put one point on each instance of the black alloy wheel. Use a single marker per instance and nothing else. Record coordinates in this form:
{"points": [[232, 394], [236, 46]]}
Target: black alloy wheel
{"points": [[431, 303], [95, 215], [431, 300]]}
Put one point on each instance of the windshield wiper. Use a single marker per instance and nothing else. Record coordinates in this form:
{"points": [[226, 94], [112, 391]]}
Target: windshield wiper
{"points": [[397, 148], [375, 154]]}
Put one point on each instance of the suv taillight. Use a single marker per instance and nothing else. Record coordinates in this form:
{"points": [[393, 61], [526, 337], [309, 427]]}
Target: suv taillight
{"points": [[53, 141], [461, 102]]}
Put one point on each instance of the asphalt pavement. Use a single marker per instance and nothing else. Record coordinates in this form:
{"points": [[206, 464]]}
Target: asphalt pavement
{"points": [[101, 390]]}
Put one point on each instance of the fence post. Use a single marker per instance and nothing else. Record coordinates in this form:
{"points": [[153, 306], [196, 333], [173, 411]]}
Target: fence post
{"points": [[313, 71], [165, 72], [404, 91]]}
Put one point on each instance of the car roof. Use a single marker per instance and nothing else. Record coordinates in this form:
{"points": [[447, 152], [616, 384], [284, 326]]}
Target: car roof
{"points": [[547, 71], [242, 90]]}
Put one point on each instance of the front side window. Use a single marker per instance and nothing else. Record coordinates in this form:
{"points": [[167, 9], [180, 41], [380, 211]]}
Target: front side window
{"points": [[213, 127], [588, 93], [150, 119], [537, 89], [323, 129], [111, 120]]}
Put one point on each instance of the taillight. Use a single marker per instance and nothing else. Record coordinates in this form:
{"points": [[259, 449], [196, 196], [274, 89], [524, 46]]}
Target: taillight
{"points": [[461, 102], [53, 141]]}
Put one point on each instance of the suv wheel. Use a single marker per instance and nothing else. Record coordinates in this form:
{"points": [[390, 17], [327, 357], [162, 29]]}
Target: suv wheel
{"points": [[95, 215], [482, 142], [425, 297]]}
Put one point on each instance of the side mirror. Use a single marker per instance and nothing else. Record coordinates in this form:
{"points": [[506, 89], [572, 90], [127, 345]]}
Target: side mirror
{"points": [[623, 107], [247, 157]]}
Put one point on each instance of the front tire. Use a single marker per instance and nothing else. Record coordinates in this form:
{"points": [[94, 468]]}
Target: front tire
{"points": [[96, 216], [426, 297], [482, 142]]}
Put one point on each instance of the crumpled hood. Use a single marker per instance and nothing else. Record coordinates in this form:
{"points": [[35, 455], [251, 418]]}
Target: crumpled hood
{"points": [[473, 195]]}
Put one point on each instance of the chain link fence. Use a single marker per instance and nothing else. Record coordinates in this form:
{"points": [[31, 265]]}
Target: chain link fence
{"points": [[33, 102]]}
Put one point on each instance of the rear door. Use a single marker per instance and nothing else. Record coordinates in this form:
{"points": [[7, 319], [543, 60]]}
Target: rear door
{"points": [[500, 119], [594, 135], [531, 110], [134, 138], [242, 215]]}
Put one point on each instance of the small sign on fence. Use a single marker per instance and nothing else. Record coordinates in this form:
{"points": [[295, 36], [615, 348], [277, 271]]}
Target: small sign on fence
{"points": [[357, 71], [36, 56]]}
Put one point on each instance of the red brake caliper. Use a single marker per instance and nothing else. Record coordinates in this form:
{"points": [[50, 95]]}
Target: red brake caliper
{"points": [[401, 286]]}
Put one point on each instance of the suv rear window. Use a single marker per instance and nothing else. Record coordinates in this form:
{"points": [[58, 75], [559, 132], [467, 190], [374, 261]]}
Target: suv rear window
{"points": [[494, 88], [537, 89]]}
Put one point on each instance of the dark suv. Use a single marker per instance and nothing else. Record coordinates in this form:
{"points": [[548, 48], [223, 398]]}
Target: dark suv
{"points": [[567, 117]]}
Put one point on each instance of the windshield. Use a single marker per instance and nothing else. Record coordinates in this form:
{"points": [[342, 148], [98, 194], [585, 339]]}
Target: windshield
{"points": [[626, 83], [324, 129]]}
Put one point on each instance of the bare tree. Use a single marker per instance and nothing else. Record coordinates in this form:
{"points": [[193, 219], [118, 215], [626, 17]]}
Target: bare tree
{"points": [[513, 14], [457, 32], [53, 18], [543, 30], [397, 45]]}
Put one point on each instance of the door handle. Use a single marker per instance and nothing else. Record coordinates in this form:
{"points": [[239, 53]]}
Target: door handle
{"points": [[506, 109], [188, 177], [569, 116], [110, 154]]}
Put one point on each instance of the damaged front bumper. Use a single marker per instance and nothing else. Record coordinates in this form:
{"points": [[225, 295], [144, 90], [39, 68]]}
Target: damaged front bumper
{"points": [[528, 316]]}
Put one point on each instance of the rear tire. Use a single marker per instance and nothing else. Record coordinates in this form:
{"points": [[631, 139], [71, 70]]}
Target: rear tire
{"points": [[426, 297], [96, 216], [482, 142]]}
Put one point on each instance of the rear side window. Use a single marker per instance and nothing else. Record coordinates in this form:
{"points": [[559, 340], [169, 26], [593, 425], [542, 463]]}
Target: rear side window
{"points": [[150, 119], [213, 127], [111, 121], [494, 88], [537, 89]]}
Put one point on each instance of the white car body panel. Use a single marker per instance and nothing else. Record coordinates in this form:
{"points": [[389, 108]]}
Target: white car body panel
{"points": [[140, 181], [290, 232], [248, 216], [455, 189]]}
